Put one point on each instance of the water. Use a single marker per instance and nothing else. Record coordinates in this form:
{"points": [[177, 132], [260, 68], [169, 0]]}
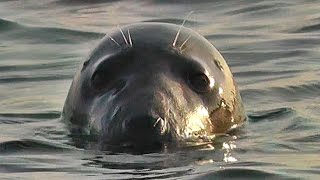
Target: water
{"points": [[271, 46]]}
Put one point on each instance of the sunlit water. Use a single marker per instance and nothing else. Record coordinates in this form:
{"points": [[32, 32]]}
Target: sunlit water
{"points": [[272, 48]]}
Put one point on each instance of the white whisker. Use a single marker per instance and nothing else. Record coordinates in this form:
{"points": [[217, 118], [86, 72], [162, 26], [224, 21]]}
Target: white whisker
{"points": [[115, 41], [185, 41], [124, 37], [130, 40], [178, 33]]}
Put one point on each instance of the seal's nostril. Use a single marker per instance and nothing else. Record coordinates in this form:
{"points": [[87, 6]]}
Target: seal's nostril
{"points": [[145, 126]]}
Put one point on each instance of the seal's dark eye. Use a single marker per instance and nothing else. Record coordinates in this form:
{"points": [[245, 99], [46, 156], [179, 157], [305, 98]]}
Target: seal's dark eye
{"points": [[200, 82], [103, 81], [98, 80]]}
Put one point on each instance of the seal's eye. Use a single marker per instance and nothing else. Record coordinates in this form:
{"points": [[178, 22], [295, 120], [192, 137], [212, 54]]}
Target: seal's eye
{"points": [[103, 81], [98, 80], [200, 82]]}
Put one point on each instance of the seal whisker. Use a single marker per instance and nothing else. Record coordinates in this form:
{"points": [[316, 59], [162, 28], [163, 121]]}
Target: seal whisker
{"points": [[115, 41], [185, 42], [124, 37], [157, 121], [178, 33], [130, 40]]}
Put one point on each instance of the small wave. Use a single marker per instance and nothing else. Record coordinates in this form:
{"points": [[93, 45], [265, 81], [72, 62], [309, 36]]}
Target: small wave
{"points": [[282, 45], [6, 25], [24, 79], [174, 21], [292, 93], [309, 28], [314, 138], [32, 67], [242, 173], [251, 9], [289, 93], [179, 2], [251, 164], [14, 31], [272, 114], [16, 118], [155, 175], [229, 36], [298, 124], [31, 145], [81, 2], [264, 73], [245, 58]]}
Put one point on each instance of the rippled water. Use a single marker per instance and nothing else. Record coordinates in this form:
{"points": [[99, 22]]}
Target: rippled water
{"points": [[271, 46]]}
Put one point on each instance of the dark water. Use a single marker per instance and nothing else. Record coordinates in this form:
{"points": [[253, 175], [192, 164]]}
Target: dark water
{"points": [[273, 48]]}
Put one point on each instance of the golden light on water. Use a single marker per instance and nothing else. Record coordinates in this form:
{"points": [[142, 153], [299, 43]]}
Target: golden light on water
{"points": [[228, 158], [204, 162], [227, 155]]}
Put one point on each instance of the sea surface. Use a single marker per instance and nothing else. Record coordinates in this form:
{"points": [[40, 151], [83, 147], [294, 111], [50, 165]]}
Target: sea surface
{"points": [[272, 47]]}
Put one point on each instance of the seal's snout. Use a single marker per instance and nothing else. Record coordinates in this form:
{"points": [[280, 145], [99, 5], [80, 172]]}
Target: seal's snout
{"points": [[145, 125], [145, 128]]}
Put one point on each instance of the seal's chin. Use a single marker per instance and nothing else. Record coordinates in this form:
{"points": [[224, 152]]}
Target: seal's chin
{"points": [[137, 145], [134, 148], [144, 127], [143, 147]]}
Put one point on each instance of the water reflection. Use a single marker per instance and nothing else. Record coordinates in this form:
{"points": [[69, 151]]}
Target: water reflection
{"points": [[174, 161]]}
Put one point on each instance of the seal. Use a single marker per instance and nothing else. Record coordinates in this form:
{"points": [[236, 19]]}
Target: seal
{"points": [[150, 85]]}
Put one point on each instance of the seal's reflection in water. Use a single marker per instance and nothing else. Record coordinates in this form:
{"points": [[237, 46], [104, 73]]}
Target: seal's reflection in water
{"points": [[167, 164]]}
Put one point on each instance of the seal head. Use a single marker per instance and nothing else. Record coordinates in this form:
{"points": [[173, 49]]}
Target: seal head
{"points": [[151, 84]]}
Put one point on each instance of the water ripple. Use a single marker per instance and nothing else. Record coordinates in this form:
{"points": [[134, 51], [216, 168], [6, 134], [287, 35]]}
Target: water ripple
{"points": [[254, 8], [14, 31], [272, 114], [29, 67], [16, 118], [31, 145], [174, 21], [308, 28], [23, 79], [243, 173]]}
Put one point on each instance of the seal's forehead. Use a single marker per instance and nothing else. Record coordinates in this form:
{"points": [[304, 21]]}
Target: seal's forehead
{"points": [[157, 36], [161, 34], [152, 34]]}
